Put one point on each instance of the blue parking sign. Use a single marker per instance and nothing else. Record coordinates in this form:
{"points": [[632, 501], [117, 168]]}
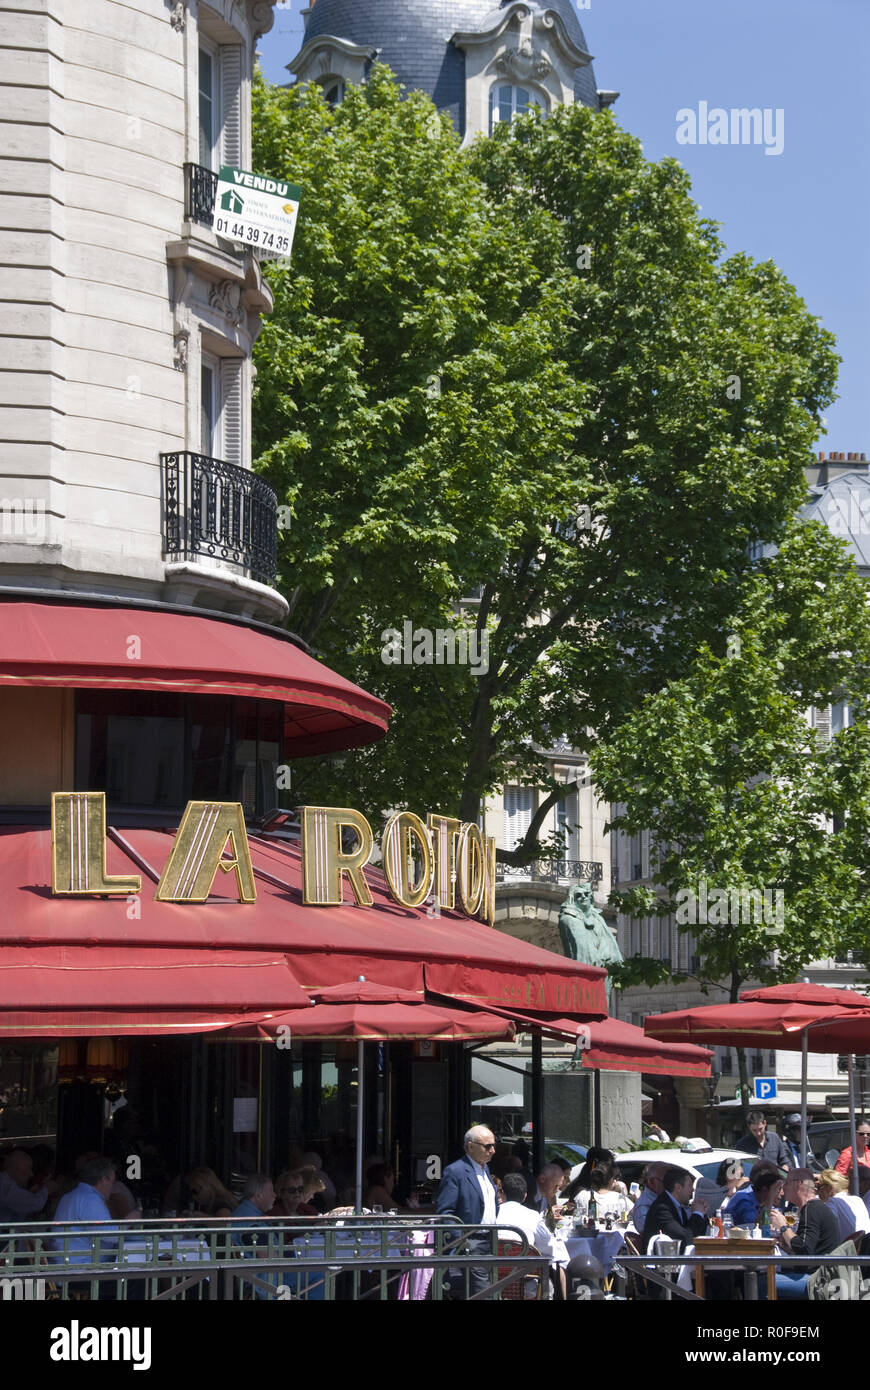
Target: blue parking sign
{"points": [[765, 1087]]}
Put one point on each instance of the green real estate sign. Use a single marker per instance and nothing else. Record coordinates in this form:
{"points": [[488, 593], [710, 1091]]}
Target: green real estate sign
{"points": [[256, 210]]}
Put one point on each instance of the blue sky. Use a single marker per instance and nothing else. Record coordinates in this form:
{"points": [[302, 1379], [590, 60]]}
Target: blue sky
{"points": [[807, 208]]}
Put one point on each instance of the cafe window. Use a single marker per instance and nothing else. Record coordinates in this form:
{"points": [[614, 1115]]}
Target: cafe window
{"points": [[28, 1092], [151, 752]]}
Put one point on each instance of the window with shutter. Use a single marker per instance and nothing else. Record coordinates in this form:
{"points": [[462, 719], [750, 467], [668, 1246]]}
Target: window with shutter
{"points": [[636, 860], [567, 817], [231, 413], [209, 114], [208, 407], [231, 105], [518, 809], [822, 723]]}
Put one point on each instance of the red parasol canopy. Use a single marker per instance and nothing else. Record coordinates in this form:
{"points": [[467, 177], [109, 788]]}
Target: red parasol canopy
{"points": [[368, 1011], [780, 1023]]}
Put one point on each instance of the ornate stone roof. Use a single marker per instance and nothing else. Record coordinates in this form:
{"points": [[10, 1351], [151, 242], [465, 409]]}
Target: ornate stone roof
{"points": [[413, 38]]}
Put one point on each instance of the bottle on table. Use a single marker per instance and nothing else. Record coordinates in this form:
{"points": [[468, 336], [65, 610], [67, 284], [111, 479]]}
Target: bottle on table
{"points": [[592, 1210], [719, 1223]]}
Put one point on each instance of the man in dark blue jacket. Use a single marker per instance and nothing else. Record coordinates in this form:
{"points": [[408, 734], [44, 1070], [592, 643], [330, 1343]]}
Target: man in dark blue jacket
{"points": [[468, 1192]]}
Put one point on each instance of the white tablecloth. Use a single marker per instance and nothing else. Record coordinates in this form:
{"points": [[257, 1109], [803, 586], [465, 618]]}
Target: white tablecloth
{"points": [[189, 1250], [605, 1247]]}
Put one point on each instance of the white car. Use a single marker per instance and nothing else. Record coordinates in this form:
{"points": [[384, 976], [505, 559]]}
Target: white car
{"points": [[703, 1164]]}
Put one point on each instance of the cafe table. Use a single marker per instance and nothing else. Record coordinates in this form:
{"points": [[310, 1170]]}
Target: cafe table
{"points": [[715, 1247]]}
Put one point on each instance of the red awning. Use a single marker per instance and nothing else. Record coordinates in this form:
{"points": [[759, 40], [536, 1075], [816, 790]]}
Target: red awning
{"points": [[614, 1045], [124, 977], [119, 1023], [450, 955], [75, 646]]}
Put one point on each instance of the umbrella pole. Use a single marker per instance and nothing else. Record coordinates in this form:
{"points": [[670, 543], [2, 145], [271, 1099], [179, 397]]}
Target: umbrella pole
{"points": [[805, 1048], [852, 1135], [360, 1117]]}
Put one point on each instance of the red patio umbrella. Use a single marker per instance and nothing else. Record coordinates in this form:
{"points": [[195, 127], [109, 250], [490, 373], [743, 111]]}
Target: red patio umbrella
{"points": [[792, 1017]]}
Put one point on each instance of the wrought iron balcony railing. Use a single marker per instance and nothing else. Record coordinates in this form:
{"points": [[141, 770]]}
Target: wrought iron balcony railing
{"points": [[214, 509], [551, 871], [200, 187]]}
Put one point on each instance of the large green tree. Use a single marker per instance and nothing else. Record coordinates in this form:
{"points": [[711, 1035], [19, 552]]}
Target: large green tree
{"points": [[742, 796], [527, 372]]}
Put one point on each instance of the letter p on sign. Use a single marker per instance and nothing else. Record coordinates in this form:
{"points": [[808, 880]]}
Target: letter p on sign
{"points": [[765, 1088]]}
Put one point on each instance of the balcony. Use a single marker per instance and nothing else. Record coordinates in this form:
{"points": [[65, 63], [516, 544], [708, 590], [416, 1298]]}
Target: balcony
{"points": [[217, 511], [200, 187], [550, 871]]}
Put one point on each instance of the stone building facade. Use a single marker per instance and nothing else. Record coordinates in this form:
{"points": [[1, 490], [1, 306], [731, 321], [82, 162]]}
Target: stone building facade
{"points": [[130, 325]]}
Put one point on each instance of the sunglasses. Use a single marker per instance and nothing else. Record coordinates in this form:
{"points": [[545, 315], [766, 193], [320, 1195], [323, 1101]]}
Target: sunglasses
{"points": [[484, 1146], [286, 1190]]}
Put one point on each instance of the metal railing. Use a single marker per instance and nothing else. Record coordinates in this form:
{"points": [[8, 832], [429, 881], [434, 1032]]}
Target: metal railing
{"points": [[200, 188], [215, 509], [658, 1269], [550, 871], [329, 1258]]}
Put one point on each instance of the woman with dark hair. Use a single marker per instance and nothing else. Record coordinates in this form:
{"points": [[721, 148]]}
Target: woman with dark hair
{"points": [[595, 1157], [731, 1178], [609, 1199]]}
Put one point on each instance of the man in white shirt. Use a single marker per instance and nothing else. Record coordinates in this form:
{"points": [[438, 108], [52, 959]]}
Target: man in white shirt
{"points": [[514, 1212], [15, 1195]]}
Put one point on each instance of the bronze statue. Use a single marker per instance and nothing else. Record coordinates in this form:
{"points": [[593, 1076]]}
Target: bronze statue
{"points": [[585, 934]]}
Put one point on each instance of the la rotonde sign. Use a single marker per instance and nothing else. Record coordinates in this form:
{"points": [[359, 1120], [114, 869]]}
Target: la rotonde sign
{"points": [[455, 860]]}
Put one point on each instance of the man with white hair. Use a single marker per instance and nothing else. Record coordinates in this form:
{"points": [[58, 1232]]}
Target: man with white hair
{"points": [[468, 1192], [16, 1197]]}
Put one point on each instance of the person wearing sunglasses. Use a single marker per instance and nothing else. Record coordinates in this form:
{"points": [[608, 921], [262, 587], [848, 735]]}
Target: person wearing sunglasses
{"points": [[289, 1196], [468, 1192], [862, 1135]]}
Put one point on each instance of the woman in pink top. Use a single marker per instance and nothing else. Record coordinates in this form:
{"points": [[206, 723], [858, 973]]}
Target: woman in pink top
{"points": [[862, 1134]]}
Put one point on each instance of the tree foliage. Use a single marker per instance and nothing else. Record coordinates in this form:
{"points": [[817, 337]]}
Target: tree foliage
{"points": [[454, 399], [740, 794]]}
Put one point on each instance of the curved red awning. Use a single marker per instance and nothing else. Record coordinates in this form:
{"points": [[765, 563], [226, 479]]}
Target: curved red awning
{"points": [[123, 977], [75, 646], [449, 954], [614, 1045]]}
